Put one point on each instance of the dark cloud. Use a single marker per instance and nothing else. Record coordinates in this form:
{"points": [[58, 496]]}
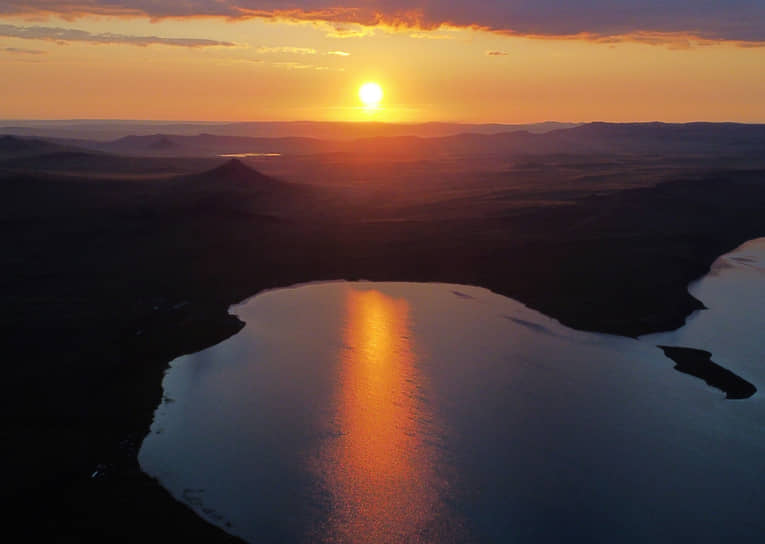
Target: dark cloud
{"points": [[65, 35], [19, 51], [734, 20], [496, 53]]}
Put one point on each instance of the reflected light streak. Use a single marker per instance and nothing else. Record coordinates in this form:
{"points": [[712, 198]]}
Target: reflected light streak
{"points": [[379, 471]]}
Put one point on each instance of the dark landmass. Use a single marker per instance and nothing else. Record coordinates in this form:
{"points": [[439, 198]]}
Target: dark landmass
{"points": [[107, 279], [109, 130], [699, 363], [92, 164], [11, 146], [694, 139]]}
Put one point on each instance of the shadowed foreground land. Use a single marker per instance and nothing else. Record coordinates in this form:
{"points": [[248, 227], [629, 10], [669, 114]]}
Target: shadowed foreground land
{"points": [[109, 279]]}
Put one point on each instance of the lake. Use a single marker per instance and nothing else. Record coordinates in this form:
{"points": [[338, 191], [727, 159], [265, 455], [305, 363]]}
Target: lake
{"points": [[393, 412]]}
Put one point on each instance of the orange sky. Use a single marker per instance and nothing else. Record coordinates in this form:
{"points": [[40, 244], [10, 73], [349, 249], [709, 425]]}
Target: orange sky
{"points": [[266, 70]]}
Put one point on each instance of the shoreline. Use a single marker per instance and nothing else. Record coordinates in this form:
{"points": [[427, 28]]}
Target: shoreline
{"points": [[600, 277], [162, 496]]}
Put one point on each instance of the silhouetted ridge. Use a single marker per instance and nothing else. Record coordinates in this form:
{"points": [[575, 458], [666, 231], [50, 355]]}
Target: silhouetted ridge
{"points": [[698, 132], [12, 146], [233, 189], [234, 173], [11, 143], [236, 169], [156, 142], [162, 142]]}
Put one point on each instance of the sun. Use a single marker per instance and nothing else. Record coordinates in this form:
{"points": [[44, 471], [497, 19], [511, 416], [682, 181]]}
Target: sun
{"points": [[371, 94]]}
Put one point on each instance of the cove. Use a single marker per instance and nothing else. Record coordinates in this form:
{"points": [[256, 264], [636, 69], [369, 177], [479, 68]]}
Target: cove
{"points": [[396, 412]]}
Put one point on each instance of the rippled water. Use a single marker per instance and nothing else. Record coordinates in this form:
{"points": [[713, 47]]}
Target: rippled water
{"points": [[391, 412]]}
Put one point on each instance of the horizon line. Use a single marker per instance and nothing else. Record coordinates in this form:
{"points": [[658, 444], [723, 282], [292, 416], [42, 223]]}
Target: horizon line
{"points": [[371, 123]]}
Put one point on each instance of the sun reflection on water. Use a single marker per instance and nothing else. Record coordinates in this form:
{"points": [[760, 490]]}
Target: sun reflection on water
{"points": [[380, 471]]}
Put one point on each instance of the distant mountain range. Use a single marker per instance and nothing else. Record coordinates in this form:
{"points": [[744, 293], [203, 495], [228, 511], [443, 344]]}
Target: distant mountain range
{"points": [[693, 139], [12, 146], [110, 130]]}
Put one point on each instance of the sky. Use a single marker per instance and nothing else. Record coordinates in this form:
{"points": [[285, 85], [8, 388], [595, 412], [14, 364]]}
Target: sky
{"points": [[508, 61]]}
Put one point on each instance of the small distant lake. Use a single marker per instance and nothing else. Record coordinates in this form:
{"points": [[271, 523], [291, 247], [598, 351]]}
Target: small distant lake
{"points": [[394, 412], [248, 155]]}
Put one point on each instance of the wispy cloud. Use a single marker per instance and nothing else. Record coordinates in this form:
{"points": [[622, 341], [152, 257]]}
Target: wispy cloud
{"points": [[293, 65], [66, 35], [288, 49], [497, 53], [19, 51], [305, 66], [740, 21], [430, 36], [344, 31]]}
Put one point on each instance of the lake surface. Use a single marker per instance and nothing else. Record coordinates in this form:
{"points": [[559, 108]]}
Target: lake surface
{"points": [[392, 412]]}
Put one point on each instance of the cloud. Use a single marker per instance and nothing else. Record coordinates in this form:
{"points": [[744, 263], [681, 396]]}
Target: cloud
{"points": [[66, 35], [344, 30], [496, 53], [430, 35], [288, 49], [293, 65], [18, 51], [303, 66], [714, 20]]}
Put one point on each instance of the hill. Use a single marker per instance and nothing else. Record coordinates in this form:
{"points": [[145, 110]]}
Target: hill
{"points": [[99, 164], [107, 130], [593, 138], [234, 188], [233, 174], [13, 146]]}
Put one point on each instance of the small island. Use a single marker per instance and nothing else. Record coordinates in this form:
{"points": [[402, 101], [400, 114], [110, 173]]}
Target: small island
{"points": [[698, 363]]}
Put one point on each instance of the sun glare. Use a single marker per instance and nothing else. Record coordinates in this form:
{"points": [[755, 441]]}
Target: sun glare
{"points": [[371, 94]]}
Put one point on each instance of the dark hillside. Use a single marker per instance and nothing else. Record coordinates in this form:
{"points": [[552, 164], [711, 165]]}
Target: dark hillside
{"points": [[105, 281]]}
